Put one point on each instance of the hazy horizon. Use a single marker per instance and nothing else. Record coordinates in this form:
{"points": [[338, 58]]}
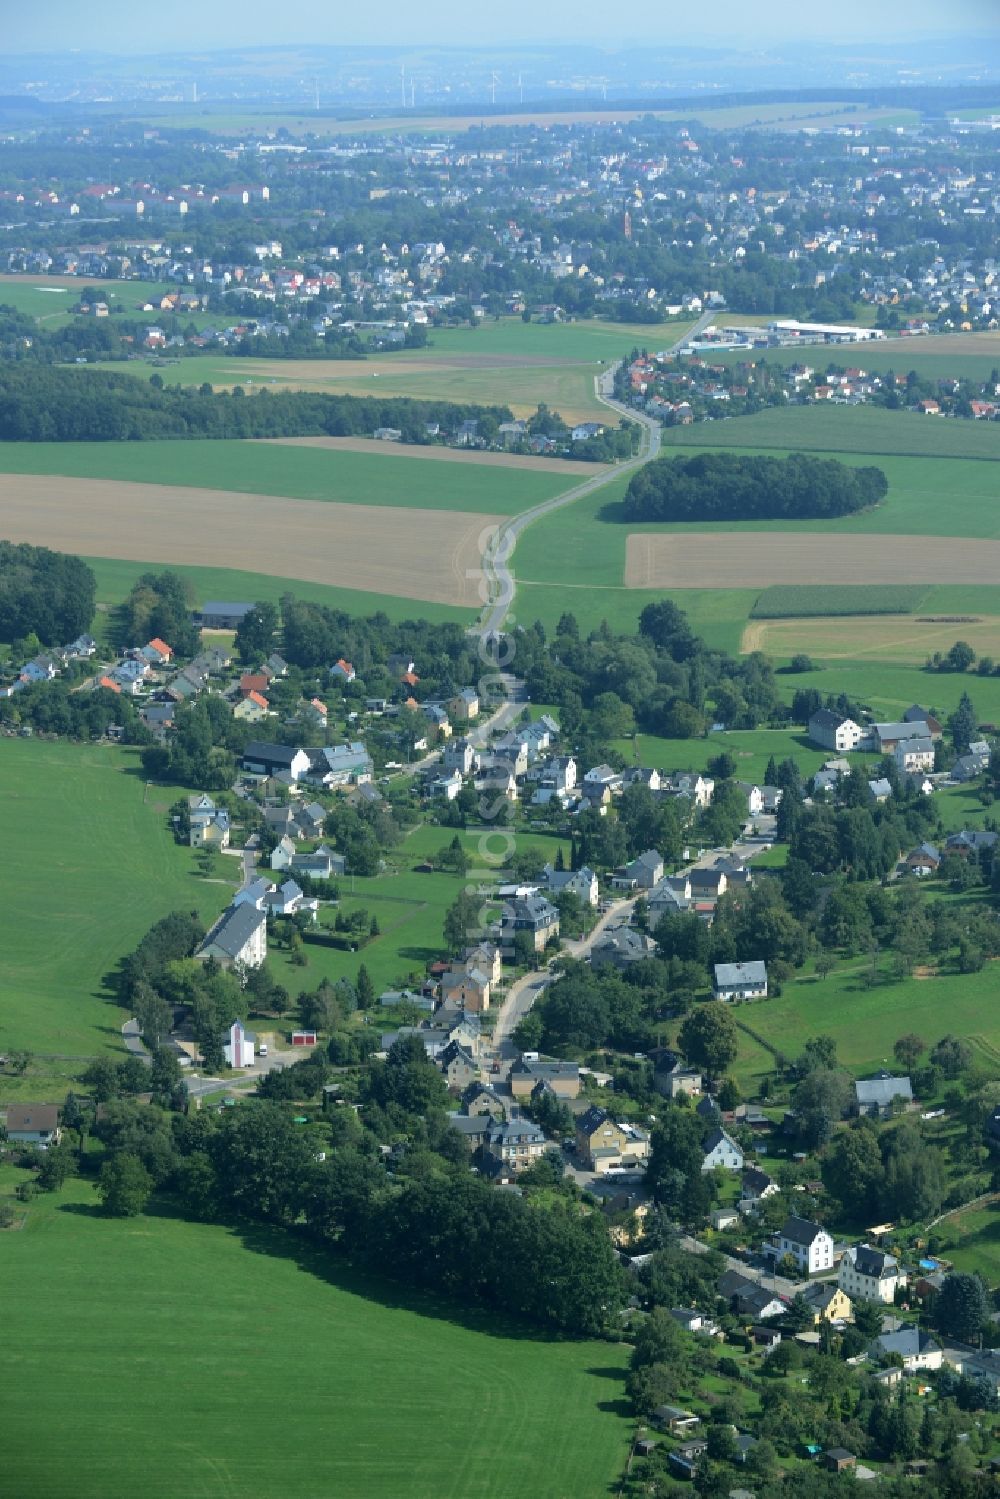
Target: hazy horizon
{"points": [[120, 26]]}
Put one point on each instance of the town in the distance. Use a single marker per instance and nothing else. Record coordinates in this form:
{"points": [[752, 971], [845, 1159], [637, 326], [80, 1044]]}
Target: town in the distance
{"points": [[499, 756]]}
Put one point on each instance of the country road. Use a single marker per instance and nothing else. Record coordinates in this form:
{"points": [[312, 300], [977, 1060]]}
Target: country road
{"points": [[500, 548]]}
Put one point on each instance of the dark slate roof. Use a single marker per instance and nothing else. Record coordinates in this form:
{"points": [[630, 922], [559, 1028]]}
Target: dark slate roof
{"points": [[234, 929], [800, 1230], [882, 1090]]}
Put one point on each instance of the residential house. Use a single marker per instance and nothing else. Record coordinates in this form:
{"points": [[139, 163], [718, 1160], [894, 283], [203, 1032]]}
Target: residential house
{"points": [[582, 883], [463, 707], [514, 1142], [209, 824], [672, 1077], [283, 853], [340, 765], [707, 884], [693, 1320], [459, 756], [870, 1274], [834, 731], [467, 987], [808, 1244], [675, 1419], [917, 1349], [275, 666], [828, 1301], [252, 708], [448, 785], [880, 790], [754, 796], [683, 1461], [459, 1067], [749, 1298], [534, 915], [621, 947], [264, 759], [734, 982], [288, 900], [217, 615], [720, 1150], [605, 1145], [562, 1078], [965, 843], [884, 737], [343, 671], [238, 1045], [642, 873], [238, 939], [254, 894], [480, 1099], [755, 1187], [322, 864], [876, 1097], [602, 778], [925, 859], [34, 1124], [157, 652], [916, 714], [671, 897], [914, 754]]}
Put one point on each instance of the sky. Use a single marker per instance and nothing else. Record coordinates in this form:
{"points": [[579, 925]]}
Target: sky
{"points": [[134, 26]]}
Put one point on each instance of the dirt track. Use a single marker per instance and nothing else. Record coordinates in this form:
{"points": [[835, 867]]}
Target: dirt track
{"points": [[413, 554], [559, 466], [755, 559]]}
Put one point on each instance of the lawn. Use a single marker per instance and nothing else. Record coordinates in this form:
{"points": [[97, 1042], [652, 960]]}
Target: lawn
{"points": [[298, 473], [752, 748], [256, 1365], [409, 906], [93, 867], [49, 298], [865, 1022], [846, 429], [972, 1240]]}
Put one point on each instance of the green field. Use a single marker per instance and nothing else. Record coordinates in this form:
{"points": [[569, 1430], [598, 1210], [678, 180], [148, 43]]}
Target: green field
{"points": [[49, 299], [90, 866], [254, 1365], [846, 429], [298, 473], [115, 579], [410, 908], [972, 1241], [967, 356], [803, 600], [752, 748], [866, 1022]]}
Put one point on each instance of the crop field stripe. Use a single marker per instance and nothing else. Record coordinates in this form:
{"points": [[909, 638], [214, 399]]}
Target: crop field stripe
{"points": [[411, 553], [759, 559], [301, 473], [792, 601]]}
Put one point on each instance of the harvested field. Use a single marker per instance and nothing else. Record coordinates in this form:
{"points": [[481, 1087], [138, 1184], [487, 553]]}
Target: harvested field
{"points": [[904, 638], [409, 553], [757, 559], [523, 461]]}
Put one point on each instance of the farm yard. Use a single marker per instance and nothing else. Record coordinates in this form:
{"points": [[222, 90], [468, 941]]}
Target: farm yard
{"points": [[409, 553], [180, 1318]]}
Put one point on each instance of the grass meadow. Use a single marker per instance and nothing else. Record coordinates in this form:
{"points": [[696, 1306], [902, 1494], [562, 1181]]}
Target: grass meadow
{"points": [[966, 356], [256, 1365], [846, 429], [50, 298], [115, 579], [95, 866], [298, 473], [865, 1022]]}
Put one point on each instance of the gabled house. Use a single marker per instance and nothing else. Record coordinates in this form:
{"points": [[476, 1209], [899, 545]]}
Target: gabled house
{"points": [[157, 652], [720, 1150], [828, 1302], [459, 1067], [238, 939], [734, 982], [582, 883], [834, 731], [605, 1145], [534, 915], [34, 1124], [252, 708], [672, 1077], [561, 1078], [869, 1274], [343, 671], [808, 1244], [642, 873], [925, 859], [620, 947], [755, 1187], [514, 1142], [274, 759], [283, 853], [479, 1099], [917, 1349], [875, 1097], [209, 824]]}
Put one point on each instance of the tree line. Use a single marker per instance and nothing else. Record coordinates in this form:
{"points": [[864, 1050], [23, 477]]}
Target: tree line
{"points": [[730, 487], [50, 403]]}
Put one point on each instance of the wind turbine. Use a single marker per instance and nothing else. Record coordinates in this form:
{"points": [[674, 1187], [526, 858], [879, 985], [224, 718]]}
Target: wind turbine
{"points": [[520, 87], [402, 84], [494, 80]]}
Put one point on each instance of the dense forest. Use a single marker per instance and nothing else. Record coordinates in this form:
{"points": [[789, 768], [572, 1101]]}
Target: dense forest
{"points": [[729, 487], [43, 593], [44, 403]]}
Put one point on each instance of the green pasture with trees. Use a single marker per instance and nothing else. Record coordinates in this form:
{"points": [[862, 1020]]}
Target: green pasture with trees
{"points": [[197, 1327]]}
